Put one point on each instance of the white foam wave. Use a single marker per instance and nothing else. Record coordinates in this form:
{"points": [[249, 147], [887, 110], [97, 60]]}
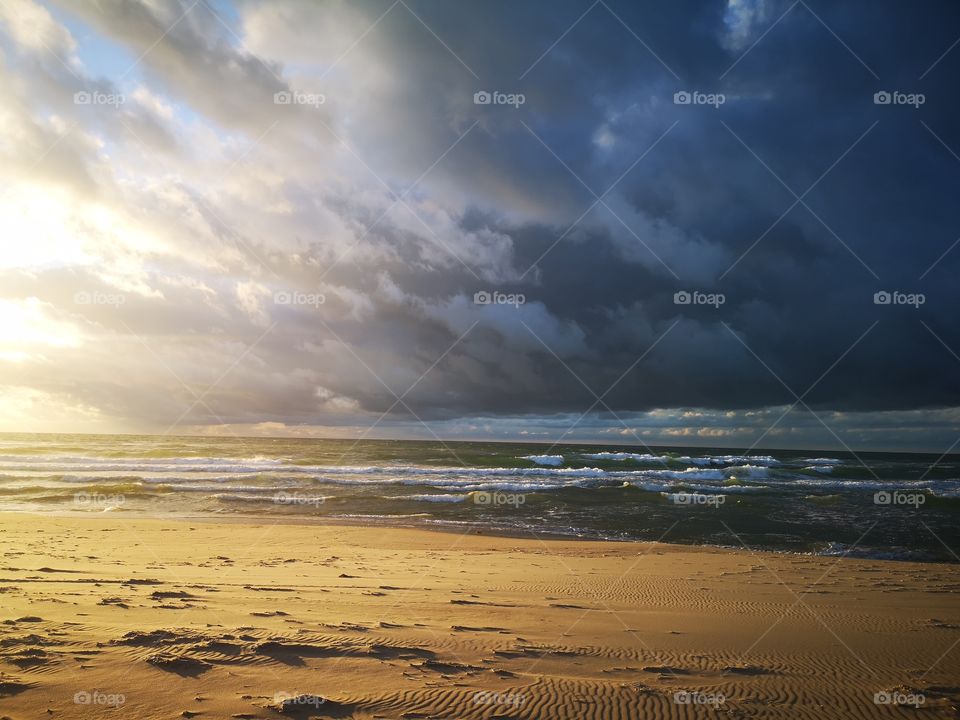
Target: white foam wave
{"points": [[140, 466], [554, 460], [201, 488], [99, 460], [837, 484], [950, 492], [203, 483], [274, 498], [507, 486], [430, 498], [666, 487], [374, 516], [623, 456], [690, 474], [724, 460], [243, 497], [729, 489]]}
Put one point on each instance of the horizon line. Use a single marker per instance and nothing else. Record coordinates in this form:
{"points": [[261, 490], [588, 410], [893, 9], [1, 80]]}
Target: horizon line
{"points": [[649, 446]]}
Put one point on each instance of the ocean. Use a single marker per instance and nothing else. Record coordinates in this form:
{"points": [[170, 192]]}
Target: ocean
{"points": [[881, 505]]}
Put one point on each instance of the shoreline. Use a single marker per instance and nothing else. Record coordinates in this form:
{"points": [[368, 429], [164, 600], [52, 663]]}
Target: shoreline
{"points": [[455, 528], [199, 618]]}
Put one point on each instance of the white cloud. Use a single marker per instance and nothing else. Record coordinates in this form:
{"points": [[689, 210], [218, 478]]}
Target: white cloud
{"points": [[33, 28], [742, 19]]}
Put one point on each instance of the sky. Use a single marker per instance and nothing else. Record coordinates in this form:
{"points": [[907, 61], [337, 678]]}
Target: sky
{"points": [[719, 223]]}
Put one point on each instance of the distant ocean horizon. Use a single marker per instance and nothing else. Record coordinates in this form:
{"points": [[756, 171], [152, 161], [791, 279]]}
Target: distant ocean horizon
{"points": [[890, 505]]}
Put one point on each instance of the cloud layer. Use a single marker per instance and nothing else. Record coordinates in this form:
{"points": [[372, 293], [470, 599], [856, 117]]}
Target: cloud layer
{"points": [[268, 216]]}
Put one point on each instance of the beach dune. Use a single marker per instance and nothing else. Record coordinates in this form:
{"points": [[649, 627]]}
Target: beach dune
{"points": [[145, 618]]}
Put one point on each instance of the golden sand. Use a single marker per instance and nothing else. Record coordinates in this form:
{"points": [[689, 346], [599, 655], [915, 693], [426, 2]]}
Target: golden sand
{"points": [[137, 618]]}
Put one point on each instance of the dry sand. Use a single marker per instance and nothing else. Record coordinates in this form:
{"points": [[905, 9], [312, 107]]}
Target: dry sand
{"points": [[137, 618]]}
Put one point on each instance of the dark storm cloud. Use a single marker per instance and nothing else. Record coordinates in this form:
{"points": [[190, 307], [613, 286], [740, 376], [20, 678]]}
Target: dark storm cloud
{"points": [[803, 295]]}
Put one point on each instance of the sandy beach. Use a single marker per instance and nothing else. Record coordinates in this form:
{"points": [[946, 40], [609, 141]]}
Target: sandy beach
{"points": [[129, 617]]}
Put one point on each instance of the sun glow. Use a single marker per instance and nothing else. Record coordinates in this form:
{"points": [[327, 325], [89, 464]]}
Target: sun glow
{"points": [[39, 229], [28, 324]]}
